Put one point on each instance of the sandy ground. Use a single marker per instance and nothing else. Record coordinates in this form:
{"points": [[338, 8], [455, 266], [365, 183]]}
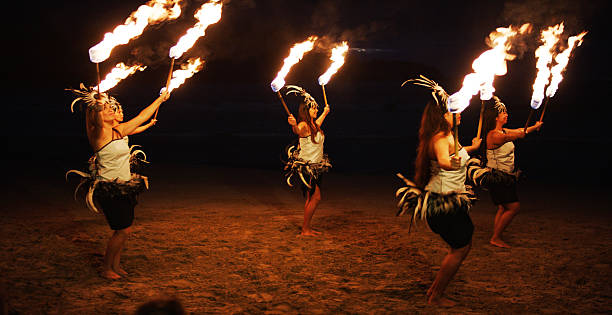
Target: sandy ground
{"points": [[224, 240]]}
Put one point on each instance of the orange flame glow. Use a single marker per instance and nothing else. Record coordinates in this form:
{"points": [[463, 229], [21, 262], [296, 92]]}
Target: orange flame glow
{"points": [[119, 72], [489, 64], [562, 59], [209, 13], [155, 11], [187, 71], [544, 55], [337, 58], [295, 55]]}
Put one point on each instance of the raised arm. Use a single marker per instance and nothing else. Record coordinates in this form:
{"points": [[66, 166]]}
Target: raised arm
{"points": [[144, 127], [300, 129], [128, 127], [321, 118]]}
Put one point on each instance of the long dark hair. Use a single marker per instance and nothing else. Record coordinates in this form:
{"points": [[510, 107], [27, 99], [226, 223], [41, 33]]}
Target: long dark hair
{"points": [[488, 124], [432, 122], [304, 115]]}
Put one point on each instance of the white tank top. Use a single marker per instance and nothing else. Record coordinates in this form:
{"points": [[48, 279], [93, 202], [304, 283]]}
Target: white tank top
{"points": [[502, 158], [312, 152], [113, 161], [443, 181]]}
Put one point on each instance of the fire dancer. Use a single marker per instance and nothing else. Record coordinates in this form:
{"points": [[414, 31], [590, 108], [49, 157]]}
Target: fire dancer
{"points": [[112, 186], [500, 177], [307, 161], [440, 195]]}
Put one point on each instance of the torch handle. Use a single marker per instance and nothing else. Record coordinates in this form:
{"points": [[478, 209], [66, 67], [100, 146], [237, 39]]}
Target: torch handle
{"points": [[480, 120], [167, 82], [528, 119], [98, 75], [544, 109], [280, 97], [324, 96], [455, 134]]}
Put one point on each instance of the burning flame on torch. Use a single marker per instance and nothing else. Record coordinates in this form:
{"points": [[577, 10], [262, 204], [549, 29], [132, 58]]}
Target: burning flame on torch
{"points": [[562, 59], [187, 71], [489, 64], [295, 55], [337, 58], [544, 54], [209, 13], [120, 72], [154, 11]]}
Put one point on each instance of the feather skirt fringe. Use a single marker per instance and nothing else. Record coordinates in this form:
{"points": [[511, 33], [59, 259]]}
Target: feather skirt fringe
{"points": [[422, 203], [480, 176]]}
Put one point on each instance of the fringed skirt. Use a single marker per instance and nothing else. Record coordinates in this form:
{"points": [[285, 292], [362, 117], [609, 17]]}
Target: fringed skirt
{"points": [[117, 199], [308, 174], [502, 186], [446, 214]]}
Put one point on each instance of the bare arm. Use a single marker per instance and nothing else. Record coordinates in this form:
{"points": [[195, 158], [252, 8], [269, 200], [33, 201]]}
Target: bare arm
{"points": [[321, 118], [144, 127], [127, 128], [475, 145], [441, 152], [300, 129]]}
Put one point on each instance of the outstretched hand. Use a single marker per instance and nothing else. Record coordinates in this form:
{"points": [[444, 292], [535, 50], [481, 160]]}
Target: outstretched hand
{"points": [[326, 109], [538, 125], [165, 95], [476, 143]]}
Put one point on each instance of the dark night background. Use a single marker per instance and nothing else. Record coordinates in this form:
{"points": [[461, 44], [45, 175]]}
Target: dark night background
{"points": [[227, 115]]}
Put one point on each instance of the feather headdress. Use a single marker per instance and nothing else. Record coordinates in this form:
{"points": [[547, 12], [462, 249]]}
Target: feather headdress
{"points": [[437, 92], [499, 106], [308, 99], [93, 99]]}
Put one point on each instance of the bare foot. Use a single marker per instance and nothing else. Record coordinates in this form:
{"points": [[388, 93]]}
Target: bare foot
{"points": [[441, 301], [309, 233], [499, 243], [109, 274], [120, 271]]}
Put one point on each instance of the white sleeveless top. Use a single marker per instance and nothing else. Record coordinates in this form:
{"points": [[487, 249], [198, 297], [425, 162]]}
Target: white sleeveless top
{"points": [[113, 161], [443, 181], [502, 158], [312, 152]]}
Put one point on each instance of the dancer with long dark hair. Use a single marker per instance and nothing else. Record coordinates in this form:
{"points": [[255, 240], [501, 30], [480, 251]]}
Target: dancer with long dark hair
{"points": [[439, 194], [112, 186], [307, 161], [501, 180]]}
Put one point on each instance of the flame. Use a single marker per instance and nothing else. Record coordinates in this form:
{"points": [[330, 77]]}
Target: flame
{"points": [[562, 59], [155, 11], [295, 55], [209, 13], [187, 71], [544, 55], [119, 72], [337, 58], [489, 64]]}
